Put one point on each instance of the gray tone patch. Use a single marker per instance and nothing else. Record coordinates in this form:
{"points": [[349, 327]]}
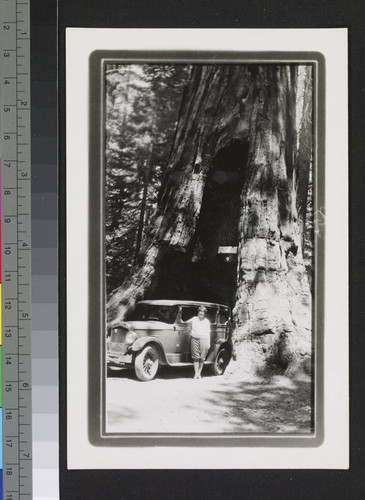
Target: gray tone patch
{"points": [[44, 316], [44, 289], [45, 455], [45, 426], [44, 178], [44, 372], [44, 233], [45, 344], [44, 399], [44, 206], [44, 93], [44, 149], [44, 261]]}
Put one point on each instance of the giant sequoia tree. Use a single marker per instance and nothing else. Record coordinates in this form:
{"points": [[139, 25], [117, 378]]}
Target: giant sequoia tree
{"points": [[237, 177]]}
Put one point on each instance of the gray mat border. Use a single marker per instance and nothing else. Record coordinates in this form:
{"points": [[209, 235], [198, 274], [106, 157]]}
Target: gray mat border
{"points": [[97, 320]]}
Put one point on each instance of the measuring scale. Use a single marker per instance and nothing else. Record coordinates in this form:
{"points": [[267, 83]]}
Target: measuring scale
{"points": [[15, 248]]}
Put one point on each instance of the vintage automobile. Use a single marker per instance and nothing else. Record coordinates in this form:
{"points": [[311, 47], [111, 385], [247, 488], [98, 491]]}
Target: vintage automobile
{"points": [[157, 333]]}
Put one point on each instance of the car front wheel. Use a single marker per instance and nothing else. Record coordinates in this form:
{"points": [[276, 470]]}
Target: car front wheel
{"points": [[221, 361], [146, 364]]}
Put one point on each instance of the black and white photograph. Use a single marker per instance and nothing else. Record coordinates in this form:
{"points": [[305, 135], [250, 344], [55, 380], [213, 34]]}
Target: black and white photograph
{"points": [[206, 248], [211, 222]]}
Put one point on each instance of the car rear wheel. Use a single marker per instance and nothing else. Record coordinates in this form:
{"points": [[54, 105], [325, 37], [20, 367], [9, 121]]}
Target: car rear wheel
{"points": [[221, 361], [146, 363]]}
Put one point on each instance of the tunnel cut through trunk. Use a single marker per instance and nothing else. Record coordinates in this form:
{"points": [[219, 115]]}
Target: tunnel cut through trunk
{"points": [[207, 271]]}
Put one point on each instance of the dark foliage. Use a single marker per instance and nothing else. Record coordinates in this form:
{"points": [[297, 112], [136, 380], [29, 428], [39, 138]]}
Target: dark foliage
{"points": [[142, 104]]}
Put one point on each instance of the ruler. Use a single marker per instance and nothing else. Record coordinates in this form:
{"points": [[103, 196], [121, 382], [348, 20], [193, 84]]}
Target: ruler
{"points": [[15, 248]]}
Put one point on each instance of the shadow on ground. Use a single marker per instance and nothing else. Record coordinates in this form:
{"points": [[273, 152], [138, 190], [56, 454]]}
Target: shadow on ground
{"points": [[164, 373], [275, 405]]}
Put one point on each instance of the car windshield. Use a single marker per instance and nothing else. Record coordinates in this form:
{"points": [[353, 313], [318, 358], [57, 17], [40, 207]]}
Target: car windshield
{"points": [[150, 312]]}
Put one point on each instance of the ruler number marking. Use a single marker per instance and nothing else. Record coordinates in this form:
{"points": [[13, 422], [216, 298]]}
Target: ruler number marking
{"points": [[15, 107]]}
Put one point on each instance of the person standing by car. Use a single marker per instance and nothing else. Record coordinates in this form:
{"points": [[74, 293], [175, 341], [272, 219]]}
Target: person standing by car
{"points": [[200, 340]]}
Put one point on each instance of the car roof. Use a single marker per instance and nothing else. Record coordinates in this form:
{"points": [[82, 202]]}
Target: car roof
{"points": [[193, 303]]}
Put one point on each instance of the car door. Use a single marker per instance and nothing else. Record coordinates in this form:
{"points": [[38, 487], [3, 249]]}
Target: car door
{"points": [[187, 313], [211, 315], [168, 316], [223, 323], [184, 328]]}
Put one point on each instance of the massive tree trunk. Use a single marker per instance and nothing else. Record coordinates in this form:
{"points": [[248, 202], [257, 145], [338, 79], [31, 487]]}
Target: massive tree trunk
{"points": [[228, 111], [273, 307]]}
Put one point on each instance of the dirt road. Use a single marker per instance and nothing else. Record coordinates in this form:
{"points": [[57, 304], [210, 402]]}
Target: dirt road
{"points": [[175, 402]]}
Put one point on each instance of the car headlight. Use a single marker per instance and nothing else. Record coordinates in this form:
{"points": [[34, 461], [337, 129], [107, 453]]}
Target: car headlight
{"points": [[130, 337]]}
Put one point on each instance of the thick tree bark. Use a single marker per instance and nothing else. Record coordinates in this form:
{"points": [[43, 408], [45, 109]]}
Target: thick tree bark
{"points": [[273, 308], [273, 304], [213, 113]]}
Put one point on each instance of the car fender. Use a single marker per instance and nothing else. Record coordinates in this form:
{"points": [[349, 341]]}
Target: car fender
{"points": [[142, 342], [217, 346]]}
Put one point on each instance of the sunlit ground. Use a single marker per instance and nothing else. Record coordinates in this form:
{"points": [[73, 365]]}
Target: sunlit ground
{"points": [[175, 402]]}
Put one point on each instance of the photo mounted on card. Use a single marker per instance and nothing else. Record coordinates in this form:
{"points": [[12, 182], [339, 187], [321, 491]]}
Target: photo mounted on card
{"points": [[196, 270], [210, 180]]}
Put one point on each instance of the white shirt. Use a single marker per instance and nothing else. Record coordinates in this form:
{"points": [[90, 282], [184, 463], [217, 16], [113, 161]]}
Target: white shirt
{"points": [[200, 328]]}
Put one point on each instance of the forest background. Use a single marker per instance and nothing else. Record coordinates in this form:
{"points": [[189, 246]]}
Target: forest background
{"points": [[146, 111]]}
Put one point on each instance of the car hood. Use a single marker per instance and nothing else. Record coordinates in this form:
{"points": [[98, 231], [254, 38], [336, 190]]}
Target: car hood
{"points": [[146, 325]]}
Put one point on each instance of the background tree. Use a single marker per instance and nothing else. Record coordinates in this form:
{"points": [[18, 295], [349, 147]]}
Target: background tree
{"points": [[304, 167], [240, 126], [142, 104]]}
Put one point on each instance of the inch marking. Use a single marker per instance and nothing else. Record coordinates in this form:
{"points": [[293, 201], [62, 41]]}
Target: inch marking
{"points": [[16, 404]]}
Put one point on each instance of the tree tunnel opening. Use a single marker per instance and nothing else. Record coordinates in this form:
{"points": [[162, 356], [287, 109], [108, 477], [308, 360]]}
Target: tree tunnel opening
{"points": [[208, 270]]}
